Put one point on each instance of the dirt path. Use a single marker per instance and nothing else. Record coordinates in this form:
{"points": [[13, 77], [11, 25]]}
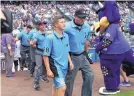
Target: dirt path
{"points": [[22, 84]]}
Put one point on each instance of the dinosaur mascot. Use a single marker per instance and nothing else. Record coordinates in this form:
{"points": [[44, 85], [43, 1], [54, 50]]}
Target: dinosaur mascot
{"points": [[113, 49]]}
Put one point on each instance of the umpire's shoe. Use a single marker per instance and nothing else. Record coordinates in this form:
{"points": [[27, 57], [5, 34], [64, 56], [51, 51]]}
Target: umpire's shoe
{"points": [[36, 86]]}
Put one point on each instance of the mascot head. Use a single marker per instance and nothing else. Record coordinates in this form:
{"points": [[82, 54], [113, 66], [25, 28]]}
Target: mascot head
{"points": [[108, 14]]}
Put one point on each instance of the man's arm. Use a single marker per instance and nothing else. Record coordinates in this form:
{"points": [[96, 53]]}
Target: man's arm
{"points": [[87, 43], [86, 52], [8, 41], [18, 37], [9, 48], [70, 63], [34, 41]]}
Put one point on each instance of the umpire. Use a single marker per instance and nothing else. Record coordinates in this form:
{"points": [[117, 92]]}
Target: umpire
{"points": [[39, 40], [32, 48], [78, 31], [25, 47]]}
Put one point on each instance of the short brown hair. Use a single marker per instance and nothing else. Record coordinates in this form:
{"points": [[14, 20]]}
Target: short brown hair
{"points": [[56, 18]]}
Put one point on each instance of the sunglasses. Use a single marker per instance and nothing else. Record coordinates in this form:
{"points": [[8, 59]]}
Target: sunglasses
{"points": [[81, 17]]}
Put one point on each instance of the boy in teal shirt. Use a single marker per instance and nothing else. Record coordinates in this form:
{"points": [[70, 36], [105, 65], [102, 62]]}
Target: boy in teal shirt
{"points": [[57, 52]]}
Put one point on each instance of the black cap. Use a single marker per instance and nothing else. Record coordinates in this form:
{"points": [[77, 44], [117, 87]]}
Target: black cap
{"points": [[42, 22], [29, 26], [36, 21], [81, 13]]}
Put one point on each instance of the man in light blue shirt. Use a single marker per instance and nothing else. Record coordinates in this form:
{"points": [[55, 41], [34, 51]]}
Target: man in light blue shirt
{"points": [[25, 47], [39, 39], [32, 48], [78, 31]]}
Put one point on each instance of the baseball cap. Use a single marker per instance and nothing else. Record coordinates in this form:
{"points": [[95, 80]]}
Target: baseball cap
{"points": [[42, 22], [35, 21], [29, 26], [81, 13]]}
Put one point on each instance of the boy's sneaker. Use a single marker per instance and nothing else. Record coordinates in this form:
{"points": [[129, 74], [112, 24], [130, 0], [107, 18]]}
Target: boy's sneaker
{"points": [[104, 91], [125, 84]]}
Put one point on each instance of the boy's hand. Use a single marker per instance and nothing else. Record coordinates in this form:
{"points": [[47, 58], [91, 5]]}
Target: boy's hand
{"points": [[50, 74], [71, 66]]}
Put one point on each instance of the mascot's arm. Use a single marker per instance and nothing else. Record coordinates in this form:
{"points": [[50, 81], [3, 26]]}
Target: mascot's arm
{"points": [[108, 38], [103, 44]]}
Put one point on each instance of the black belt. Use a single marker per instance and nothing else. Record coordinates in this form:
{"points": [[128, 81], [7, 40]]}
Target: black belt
{"points": [[39, 49], [76, 54], [24, 45]]}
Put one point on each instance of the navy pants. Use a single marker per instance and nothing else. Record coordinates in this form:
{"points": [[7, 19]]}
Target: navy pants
{"points": [[110, 66]]}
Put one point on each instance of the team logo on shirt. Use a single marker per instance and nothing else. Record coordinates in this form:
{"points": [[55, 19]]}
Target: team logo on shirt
{"points": [[86, 35], [66, 45], [47, 49]]}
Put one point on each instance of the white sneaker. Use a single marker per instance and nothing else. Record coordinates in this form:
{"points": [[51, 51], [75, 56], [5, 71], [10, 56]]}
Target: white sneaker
{"points": [[103, 91]]}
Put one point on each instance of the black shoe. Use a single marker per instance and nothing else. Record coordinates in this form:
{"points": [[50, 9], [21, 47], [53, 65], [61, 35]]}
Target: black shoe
{"points": [[21, 69], [25, 65], [36, 86], [45, 80]]}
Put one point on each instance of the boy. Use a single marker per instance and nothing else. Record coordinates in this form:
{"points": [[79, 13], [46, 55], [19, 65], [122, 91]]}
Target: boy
{"points": [[57, 52]]}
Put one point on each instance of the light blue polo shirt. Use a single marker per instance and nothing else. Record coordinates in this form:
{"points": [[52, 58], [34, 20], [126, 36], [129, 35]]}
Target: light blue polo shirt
{"points": [[24, 36], [31, 34], [40, 38], [77, 36], [58, 49]]}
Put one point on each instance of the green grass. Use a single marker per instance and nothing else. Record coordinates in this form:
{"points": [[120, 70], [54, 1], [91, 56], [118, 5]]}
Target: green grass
{"points": [[128, 93]]}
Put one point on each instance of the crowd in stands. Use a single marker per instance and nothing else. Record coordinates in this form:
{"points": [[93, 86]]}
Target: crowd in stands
{"points": [[24, 12]]}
